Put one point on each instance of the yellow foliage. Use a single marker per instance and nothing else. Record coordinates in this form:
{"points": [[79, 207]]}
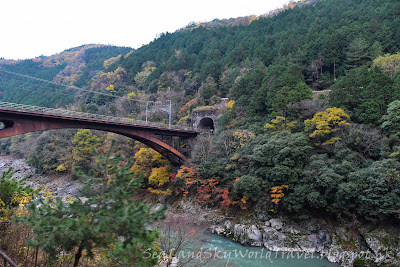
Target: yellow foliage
{"points": [[21, 199], [233, 165], [331, 141], [254, 19], [159, 176], [327, 122], [142, 76], [241, 137], [167, 192], [110, 61], [3, 211], [230, 167], [131, 95], [104, 80], [45, 193], [111, 88], [279, 124], [235, 157], [147, 159], [243, 202], [230, 104], [61, 168], [84, 143], [389, 64]]}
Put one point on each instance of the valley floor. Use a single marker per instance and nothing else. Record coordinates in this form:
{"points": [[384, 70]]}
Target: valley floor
{"points": [[347, 244]]}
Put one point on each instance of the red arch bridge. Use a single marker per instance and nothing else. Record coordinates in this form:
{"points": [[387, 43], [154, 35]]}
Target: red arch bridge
{"points": [[170, 141]]}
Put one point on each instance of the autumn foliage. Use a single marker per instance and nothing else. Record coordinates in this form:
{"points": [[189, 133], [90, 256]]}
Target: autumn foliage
{"points": [[159, 176], [277, 194], [324, 123]]}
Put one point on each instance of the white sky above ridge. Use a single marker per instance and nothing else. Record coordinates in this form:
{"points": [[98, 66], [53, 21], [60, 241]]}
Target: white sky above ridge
{"points": [[45, 27]]}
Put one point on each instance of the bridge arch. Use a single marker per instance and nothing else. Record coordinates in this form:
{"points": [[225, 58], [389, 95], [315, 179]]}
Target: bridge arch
{"points": [[19, 122]]}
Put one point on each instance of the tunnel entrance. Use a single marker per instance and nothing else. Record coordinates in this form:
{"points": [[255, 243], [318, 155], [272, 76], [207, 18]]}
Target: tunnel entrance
{"points": [[6, 124], [206, 125]]}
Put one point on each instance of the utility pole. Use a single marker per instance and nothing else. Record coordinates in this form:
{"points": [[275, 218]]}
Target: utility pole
{"points": [[170, 113], [147, 109], [163, 107]]}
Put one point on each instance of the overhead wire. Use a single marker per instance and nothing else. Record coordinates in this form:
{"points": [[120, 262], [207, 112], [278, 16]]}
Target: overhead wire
{"points": [[69, 86]]}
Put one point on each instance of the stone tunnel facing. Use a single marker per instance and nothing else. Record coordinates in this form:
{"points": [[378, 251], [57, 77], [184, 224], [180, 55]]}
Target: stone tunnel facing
{"points": [[205, 124]]}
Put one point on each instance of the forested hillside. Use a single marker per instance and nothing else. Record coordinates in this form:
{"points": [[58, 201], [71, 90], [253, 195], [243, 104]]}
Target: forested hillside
{"points": [[75, 66], [311, 126]]}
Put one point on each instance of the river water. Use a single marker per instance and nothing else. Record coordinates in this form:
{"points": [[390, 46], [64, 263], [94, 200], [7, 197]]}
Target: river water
{"points": [[224, 252]]}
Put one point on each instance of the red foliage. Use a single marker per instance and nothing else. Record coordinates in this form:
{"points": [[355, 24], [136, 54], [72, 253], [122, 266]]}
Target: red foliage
{"points": [[172, 177], [226, 201], [206, 188]]}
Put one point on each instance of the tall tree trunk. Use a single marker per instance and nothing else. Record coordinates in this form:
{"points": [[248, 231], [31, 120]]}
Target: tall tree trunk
{"points": [[78, 255], [36, 256]]}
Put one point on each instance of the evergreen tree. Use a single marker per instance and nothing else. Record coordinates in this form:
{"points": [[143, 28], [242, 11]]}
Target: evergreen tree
{"points": [[391, 121], [357, 54], [110, 217]]}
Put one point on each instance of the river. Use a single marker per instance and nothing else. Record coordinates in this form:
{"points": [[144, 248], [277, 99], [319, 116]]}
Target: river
{"points": [[228, 253]]}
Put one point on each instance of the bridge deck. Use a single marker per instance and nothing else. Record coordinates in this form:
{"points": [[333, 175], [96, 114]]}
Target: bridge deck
{"points": [[88, 116]]}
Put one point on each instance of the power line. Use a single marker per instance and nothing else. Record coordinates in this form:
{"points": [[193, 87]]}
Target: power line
{"points": [[149, 104], [69, 86]]}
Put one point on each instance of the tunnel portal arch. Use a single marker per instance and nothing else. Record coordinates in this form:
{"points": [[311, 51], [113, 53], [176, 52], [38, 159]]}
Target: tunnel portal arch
{"points": [[205, 124], [204, 121]]}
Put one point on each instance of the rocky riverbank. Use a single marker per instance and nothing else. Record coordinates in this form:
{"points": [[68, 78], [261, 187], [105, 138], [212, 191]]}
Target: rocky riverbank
{"points": [[348, 246], [59, 185]]}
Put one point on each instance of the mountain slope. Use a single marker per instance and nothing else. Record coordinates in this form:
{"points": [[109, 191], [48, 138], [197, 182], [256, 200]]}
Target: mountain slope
{"points": [[74, 66]]}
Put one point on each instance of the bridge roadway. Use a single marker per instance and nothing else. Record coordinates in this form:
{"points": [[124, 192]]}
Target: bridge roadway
{"points": [[171, 141]]}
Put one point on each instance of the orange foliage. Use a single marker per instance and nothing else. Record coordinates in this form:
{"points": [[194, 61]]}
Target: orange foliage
{"points": [[188, 176], [206, 188], [185, 109], [226, 201], [187, 172], [277, 193], [242, 202]]}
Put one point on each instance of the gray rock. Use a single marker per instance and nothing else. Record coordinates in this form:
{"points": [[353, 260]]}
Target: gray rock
{"points": [[219, 230], [276, 224], [228, 226], [374, 244], [292, 230], [254, 236]]}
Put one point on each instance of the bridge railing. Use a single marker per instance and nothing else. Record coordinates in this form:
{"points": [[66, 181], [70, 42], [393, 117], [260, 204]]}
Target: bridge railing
{"points": [[83, 115]]}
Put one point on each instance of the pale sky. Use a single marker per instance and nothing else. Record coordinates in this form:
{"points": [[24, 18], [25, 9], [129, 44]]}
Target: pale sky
{"points": [[31, 28]]}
